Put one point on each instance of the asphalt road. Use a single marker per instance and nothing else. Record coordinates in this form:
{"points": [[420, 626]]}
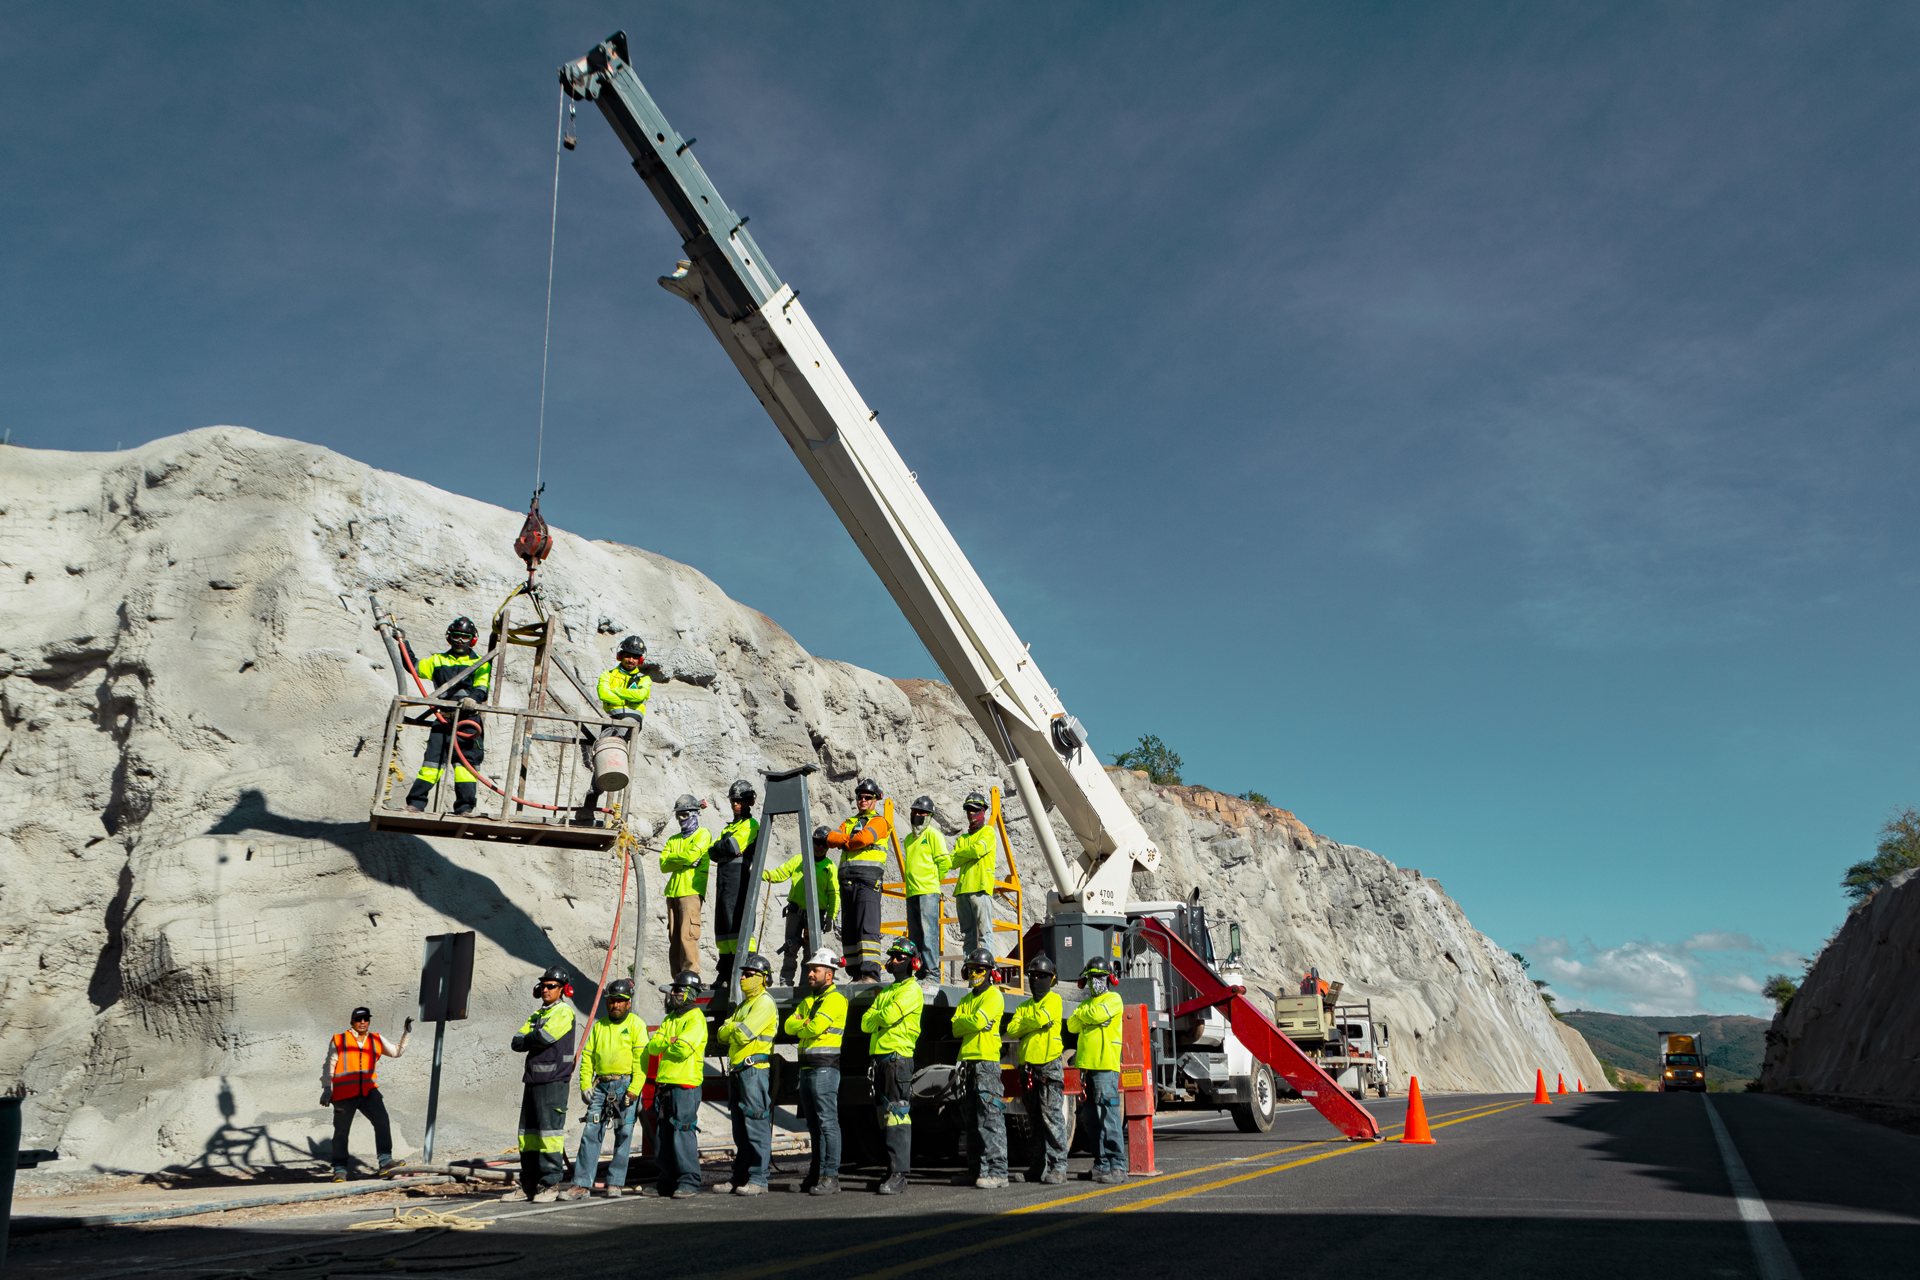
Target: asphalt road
{"points": [[1607, 1185]]}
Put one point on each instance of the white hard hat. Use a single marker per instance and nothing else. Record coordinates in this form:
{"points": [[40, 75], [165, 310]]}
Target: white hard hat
{"points": [[825, 958]]}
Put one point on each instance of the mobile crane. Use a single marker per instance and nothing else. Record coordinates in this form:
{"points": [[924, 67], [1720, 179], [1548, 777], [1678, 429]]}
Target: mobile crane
{"points": [[1212, 1047]]}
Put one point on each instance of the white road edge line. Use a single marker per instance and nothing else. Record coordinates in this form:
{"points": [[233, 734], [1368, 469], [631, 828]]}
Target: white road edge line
{"points": [[1769, 1250]]}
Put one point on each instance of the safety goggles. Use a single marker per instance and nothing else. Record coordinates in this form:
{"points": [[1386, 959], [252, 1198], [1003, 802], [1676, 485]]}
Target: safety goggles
{"points": [[551, 986]]}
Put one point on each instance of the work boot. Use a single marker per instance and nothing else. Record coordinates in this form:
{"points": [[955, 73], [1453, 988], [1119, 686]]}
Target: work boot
{"points": [[825, 1187], [614, 1193], [807, 1184], [1109, 1176], [388, 1162], [339, 1173], [749, 1189], [545, 1195], [575, 1192], [516, 1194], [990, 1183], [1053, 1178], [721, 1188], [893, 1186], [685, 1193]]}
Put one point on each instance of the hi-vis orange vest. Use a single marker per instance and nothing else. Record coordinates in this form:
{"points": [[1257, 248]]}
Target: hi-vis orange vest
{"points": [[353, 1065]]}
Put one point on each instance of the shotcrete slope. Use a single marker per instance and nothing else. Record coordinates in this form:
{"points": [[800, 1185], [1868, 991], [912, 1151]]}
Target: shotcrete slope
{"points": [[191, 901]]}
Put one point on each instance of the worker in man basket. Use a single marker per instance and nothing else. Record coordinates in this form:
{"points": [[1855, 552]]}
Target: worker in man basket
{"points": [[683, 860], [436, 669], [826, 884], [818, 1022], [624, 690], [348, 1085], [977, 1025], [864, 837], [730, 855], [610, 1088], [748, 1036], [976, 853], [680, 1047], [924, 863], [892, 1024], [547, 1038], [1097, 1022], [1043, 1069]]}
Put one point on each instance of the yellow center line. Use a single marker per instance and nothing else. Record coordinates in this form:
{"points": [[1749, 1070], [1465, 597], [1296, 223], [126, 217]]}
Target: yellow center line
{"points": [[868, 1246]]}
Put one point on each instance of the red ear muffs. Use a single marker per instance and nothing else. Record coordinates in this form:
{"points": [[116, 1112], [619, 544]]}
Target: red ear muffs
{"points": [[567, 991]]}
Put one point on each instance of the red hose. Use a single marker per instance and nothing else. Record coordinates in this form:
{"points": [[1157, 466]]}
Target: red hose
{"points": [[532, 804], [626, 864]]}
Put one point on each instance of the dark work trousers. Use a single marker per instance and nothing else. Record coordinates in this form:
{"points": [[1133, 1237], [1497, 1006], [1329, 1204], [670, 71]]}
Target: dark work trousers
{"points": [[752, 1125], [1047, 1112], [820, 1100], [676, 1112], [986, 1103], [795, 943], [1100, 1112], [439, 756], [374, 1108], [860, 918], [543, 1134], [729, 904], [893, 1104]]}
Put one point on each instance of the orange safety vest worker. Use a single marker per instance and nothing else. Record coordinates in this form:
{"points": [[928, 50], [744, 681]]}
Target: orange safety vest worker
{"points": [[353, 1062]]}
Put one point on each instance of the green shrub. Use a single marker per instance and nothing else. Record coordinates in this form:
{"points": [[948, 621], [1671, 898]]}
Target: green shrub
{"points": [[1899, 849], [1159, 761], [1255, 796], [1780, 989]]}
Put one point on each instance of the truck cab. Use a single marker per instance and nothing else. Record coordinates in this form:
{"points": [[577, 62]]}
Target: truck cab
{"points": [[1683, 1068]]}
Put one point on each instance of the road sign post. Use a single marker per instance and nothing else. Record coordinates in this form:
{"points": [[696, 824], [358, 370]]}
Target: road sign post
{"points": [[446, 979]]}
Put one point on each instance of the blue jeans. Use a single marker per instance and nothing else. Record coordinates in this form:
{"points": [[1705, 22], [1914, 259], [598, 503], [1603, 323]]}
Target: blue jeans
{"points": [[1046, 1110], [923, 929], [676, 1113], [986, 1104], [820, 1102], [752, 1125], [1103, 1118], [588, 1162], [976, 920]]}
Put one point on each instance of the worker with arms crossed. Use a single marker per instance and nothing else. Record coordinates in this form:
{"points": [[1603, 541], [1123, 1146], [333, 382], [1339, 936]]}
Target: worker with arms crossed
{"points": [[1043, 1070], [623, 690], [819, 1022], [975, 854], [892, 1024], [977, 1023], [680, 1046], [436, 669], [547, 1038], [348, 1085], [683, 860], [1097, 1022], [924, 863], [864, 836], [729, 855], [610, 1089], [826, 885], [748, 1036]]}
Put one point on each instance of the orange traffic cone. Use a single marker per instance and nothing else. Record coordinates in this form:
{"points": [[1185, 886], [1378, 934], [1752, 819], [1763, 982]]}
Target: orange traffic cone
{"points": [[1560, 1084], [1540, 1086], [1416, 1130], [1579, 1086]]}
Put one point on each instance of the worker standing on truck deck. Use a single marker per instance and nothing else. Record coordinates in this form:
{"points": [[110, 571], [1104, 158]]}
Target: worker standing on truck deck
{"points": [[924, 863], [748, 1036], [547, 1040], [623, 692], [348, 1085], [892, 1024], [680, 1045], [1098, 1024], [826, 884], [975, 855], [683, 860], [610, 1088], [1043, 1070], [864, 836], [818, 1022], [977, 1025], [730, 854], [436, 669]]}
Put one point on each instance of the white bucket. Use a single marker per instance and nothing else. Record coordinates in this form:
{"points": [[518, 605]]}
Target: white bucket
{"points": [[610, 764]]}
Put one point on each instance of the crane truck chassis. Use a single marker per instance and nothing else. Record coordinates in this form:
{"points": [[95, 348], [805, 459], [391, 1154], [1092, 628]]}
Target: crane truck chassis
{"points": [[1212, 1047]]}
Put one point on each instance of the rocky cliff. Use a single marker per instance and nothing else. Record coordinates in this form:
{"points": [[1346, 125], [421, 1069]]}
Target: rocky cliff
{"points": [[1854, 1027], [191, 900]]}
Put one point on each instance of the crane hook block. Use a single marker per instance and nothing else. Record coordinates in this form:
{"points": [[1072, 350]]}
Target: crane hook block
{"points": [[535, 542]]}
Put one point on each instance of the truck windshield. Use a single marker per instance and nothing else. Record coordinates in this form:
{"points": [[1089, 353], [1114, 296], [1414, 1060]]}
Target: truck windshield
{"points": [[1683, 1059]]}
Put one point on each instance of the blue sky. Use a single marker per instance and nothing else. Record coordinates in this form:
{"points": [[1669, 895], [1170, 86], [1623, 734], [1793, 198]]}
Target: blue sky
{"points": [[1488, 430]]}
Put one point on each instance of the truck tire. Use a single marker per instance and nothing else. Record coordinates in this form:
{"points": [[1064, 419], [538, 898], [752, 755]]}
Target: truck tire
{"points": [[1382, 1089], [1257, 1116]]}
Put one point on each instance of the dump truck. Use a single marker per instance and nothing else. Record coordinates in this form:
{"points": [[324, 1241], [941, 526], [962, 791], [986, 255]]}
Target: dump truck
{"points": [[1683, 1067]]}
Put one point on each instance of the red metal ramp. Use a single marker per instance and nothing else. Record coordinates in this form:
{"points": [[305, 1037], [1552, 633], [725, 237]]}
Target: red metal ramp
{"points": [[1258, 1033]]}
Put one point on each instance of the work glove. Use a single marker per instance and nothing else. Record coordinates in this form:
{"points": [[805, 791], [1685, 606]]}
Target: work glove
{"points": [[586, 1097], [406, 1026], [468, 704], [326, 1097]]}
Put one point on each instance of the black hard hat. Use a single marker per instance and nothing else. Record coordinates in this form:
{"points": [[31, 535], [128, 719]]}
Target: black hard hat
{"points": [[462, 626], [868, 787], [1099, 967], [903, 947], [975, 801], [978, 958], [923, 804], [684, 981], [820, 835], [1040, 964], [633, 645], [687, 804], [557, 974], [360, 1013], [756, 963], [743, 791], [620, 989]]}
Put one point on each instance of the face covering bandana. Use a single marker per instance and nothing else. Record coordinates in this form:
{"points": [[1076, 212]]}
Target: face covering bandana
{"points": [[752, 983], [688, 821]]}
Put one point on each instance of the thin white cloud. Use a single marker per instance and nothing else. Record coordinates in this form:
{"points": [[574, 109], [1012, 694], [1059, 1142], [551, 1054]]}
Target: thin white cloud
{"points": [[1788, 959], [1717, 940], [1657, 978]]}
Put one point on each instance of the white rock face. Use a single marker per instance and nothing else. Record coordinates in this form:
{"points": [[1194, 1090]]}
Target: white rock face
{"points": [[190, 898]]}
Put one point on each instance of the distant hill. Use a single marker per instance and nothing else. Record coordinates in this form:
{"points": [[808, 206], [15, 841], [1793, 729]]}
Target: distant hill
{"points": [[1734, 1043]]}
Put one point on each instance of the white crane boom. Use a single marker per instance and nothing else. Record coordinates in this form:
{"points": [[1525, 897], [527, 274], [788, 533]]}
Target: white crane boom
{"points": [[770, 338]]}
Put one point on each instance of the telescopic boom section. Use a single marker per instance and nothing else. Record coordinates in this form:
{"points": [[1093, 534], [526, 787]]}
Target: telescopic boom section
{"points": [[760, 322]]}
